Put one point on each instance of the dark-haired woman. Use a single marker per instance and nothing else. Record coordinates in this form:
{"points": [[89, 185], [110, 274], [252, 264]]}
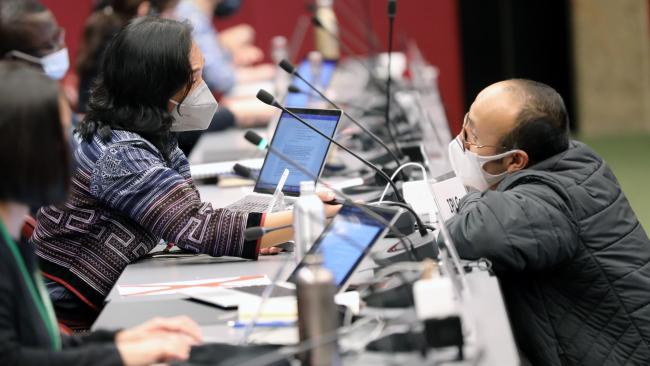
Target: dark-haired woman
{"points": [[34, 156], [132, 185]]}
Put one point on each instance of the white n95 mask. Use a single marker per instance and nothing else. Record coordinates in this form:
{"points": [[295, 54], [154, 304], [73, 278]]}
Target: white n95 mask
{"points": [[468, 166], [196, 111]]}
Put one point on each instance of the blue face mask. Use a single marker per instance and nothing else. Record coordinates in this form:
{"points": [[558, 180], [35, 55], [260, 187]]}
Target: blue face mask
{"points": [[55, 65], [227, 8]]}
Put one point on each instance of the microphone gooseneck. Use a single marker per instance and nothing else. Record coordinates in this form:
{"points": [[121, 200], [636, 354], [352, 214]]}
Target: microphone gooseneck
{"points": [[392, 5], [256, 232], [267, 98]]}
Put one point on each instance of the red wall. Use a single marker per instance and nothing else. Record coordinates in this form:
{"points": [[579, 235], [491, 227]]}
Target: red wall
{"points": [[432, 24]]}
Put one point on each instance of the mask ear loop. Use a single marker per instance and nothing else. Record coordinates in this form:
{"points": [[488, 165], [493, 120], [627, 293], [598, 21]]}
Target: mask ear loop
{"points": [[486, 159], [24, 57]]}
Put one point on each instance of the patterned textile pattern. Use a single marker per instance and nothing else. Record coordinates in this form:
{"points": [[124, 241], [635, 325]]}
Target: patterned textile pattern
{"points": [[124, 199]]}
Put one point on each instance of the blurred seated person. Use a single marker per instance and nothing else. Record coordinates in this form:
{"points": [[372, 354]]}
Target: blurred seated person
{"points": [[29, 32], [230, 57], [131, 185], [107, 19], [35, 157]]}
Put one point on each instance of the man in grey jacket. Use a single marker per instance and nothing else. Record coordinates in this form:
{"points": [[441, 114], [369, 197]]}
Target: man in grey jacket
{"points": [[571, 256]]}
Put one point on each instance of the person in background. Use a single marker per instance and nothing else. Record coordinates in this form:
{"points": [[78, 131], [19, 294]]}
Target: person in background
{"points": [[35, 158], [230, 58], [132, 185], [108, 18], [100, 27], [571, 256], [29, 32]]}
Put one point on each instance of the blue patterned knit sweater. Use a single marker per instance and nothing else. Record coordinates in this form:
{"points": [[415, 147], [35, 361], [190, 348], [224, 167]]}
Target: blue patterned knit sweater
{"points": [[124, 198]]}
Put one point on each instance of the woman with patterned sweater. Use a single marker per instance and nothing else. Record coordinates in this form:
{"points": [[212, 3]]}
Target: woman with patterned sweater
{"points": [[131, 186]]}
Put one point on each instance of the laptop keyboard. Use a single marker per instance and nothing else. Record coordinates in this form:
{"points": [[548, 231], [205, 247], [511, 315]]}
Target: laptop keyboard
{"points": [[255, 203], [278, 291]]}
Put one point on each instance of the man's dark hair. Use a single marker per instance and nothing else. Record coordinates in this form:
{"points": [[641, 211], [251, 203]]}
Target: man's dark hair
{"points": [[13, 32], [34, 153], [145, 64], [542, 126]]}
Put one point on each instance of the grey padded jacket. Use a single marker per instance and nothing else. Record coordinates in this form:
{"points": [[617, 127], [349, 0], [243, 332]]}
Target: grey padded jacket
{"points": [[572, 259]]}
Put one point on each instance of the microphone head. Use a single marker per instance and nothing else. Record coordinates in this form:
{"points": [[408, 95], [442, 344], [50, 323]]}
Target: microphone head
{"points": [[311, 8], [392, 8], [266, 97], [254, 233], [315, 21], [294, 89], [287, 66], [242, 170], [255, 139]]}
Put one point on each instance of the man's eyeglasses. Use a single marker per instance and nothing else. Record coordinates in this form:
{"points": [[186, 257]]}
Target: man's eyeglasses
{"points": [[464, 142]]}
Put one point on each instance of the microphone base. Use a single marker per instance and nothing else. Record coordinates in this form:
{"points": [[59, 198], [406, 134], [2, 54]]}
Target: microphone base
{"points": [[391, 251]]}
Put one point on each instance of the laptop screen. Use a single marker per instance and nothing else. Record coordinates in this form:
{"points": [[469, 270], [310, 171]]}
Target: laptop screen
{"points": [[347, 239], [301, 144], [321, 81]]}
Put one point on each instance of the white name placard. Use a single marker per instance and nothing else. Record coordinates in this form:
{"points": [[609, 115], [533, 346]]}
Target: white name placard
{"points": [[447, 195]]}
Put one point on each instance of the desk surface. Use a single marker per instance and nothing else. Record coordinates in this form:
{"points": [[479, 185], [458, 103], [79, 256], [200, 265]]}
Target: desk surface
{"points": [[487, 308]]}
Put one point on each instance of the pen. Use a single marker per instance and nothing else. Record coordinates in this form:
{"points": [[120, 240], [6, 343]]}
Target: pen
{"points": [[270, 324]]}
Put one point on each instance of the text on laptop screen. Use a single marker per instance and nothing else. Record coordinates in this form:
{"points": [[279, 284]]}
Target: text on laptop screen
{"points": [[319, 78], [301, 144], [346, 240]]}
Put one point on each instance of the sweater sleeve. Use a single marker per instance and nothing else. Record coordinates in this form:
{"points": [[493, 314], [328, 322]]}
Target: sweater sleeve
{"points": [[516, 230], [134, 180]]}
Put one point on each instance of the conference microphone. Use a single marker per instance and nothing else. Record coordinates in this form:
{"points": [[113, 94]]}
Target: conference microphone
{"points": [[266, 98], [295, 90], [392, 8], [291, 69], [401, 226], [244, 171], [256, 232]]}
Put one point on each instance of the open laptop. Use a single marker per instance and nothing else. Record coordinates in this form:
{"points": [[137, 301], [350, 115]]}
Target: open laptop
{"points": [[299, 143], [344, 243]]}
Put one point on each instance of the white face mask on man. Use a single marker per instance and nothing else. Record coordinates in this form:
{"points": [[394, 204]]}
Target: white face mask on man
{"points": [[468, 166], [196, 111]]}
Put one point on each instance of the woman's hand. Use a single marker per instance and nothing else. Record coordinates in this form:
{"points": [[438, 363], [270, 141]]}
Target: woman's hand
{"points": [[158, 340], [270, 251], [182, 325], [330, 210], [158, 348]]}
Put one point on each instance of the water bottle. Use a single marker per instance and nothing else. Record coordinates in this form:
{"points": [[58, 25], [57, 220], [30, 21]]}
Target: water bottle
{"points": [[325, 43], [308, 219], [315, 62], [279, 52], [317, 315]]}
